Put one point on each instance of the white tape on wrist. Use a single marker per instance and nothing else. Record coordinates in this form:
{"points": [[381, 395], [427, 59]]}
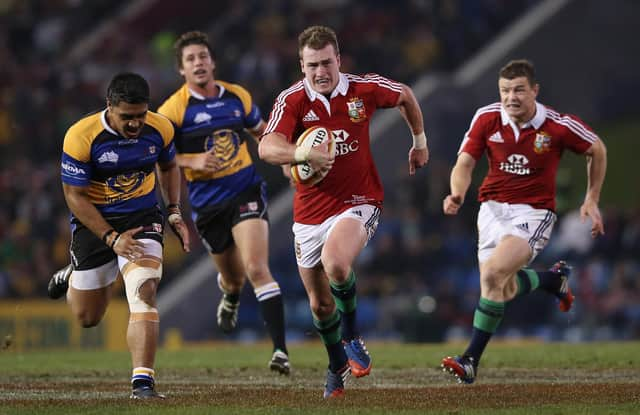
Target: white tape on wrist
{"points": [[420, 141], [302, 154], [174, 217]]}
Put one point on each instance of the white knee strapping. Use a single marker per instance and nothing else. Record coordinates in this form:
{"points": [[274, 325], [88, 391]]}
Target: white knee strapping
{"points": [[134, 277]]}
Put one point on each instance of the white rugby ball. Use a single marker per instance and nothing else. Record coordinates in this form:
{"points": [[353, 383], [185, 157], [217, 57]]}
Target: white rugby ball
{"points": [[316, 136]]}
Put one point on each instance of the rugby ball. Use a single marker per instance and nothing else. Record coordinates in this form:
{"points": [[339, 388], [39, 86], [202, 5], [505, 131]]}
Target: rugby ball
{"points": [[316, 136]]}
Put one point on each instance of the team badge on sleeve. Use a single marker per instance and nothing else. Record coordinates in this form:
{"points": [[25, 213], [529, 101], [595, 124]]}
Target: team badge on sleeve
{"points": [[542, 143], [357, 112]]}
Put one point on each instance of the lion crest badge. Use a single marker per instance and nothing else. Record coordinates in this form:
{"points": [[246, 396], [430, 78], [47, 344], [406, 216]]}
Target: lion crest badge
{"points": [[356, 110], [542, 143]]}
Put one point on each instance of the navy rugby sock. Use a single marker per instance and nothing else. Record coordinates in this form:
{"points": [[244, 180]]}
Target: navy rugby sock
{"points": [[270, 300]]}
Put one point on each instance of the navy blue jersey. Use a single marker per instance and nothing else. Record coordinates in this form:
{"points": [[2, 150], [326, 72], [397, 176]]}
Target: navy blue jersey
{"points": [[216, 123], [119, 171]]}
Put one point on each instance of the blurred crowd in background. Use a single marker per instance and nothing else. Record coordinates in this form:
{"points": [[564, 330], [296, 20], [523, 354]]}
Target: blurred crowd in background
{"points": [[418, 277]]}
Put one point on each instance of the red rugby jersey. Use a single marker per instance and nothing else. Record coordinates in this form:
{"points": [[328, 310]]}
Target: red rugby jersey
{"points": [[523, 162], [353, 179]]}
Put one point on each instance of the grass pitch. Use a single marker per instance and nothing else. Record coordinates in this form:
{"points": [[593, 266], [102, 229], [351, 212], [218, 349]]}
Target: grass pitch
{"points": [[526, 378]]}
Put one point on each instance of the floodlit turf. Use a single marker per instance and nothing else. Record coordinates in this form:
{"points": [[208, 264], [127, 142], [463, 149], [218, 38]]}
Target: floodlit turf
{"points": [[525, 378]]}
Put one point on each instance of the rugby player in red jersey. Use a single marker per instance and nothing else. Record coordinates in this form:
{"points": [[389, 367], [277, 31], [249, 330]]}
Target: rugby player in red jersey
{"points": [[524, 141], [336, 217]]}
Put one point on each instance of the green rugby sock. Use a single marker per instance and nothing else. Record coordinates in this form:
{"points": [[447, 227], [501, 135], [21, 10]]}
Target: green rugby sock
{"points": [[527, 280], [329, 330], [486, 320], [345, 297]]}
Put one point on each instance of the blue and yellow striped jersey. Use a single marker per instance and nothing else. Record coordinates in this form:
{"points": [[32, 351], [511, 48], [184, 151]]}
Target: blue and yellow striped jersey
{"points": [[119, 172], [204, 123]]}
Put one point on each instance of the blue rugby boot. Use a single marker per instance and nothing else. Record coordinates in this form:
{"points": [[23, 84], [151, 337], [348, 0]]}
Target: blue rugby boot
{"points": [[462, 367], [564, 294], [358, 355], [334, 387]]}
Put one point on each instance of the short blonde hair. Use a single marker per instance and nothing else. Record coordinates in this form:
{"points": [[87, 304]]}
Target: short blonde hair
{"points": [[317, 37]]}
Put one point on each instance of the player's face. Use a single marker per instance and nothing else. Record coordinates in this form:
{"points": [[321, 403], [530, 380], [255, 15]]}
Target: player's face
{"points": [[321, 68], [197, 65], [518, 98], [127, 119]]}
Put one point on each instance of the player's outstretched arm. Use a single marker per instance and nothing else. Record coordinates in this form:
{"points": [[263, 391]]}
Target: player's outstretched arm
{"points": [[170, 180], [411, 112], [460, 182], [596, 171]]}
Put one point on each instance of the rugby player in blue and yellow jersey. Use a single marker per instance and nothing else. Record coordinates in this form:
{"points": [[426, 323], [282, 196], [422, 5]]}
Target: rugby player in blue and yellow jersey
{"points": [[226, 193], [108, 165]]}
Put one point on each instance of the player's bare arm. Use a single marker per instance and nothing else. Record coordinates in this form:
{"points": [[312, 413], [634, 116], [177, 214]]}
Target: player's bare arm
{"points": [[257, 131], [411, 112], [170, 180], [460, 182], [596, 171], [206, 162], [275, 149], [123, 244]]}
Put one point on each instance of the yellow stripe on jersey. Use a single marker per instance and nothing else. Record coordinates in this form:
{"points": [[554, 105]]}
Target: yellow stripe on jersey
{"points": [[241, 93], [162, 124], [78, 140], [174, 107]]}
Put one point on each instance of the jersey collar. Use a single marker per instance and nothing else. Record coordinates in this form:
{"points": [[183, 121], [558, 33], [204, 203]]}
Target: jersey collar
{"points": [[105, 124], [341, 88], [536, 122], [202, 97]]}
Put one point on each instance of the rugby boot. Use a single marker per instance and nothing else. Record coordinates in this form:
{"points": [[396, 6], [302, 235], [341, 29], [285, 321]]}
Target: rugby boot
{"points": [[59, 282], [280, 362], [334, 387], [564, 294], [146, 392], [358, 355], [462, 367], [227, 315]]}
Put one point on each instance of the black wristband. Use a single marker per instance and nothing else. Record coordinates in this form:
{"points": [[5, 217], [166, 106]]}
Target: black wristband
{"points": [[173, 206], [106, 235], [113, 243]]}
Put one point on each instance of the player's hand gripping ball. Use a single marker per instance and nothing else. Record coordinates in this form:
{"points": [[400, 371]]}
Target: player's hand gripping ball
{"points": [[322, 138]]}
